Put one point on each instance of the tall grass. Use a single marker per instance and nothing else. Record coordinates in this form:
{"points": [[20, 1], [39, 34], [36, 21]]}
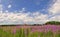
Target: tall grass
{"points": [[28, 33]]}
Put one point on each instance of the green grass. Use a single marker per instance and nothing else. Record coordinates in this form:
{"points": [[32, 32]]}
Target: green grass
{"points": [[21, 33]]}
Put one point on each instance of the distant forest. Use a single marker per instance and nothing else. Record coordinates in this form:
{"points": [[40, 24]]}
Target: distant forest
{"points": [[49, 23], [53, 23]]}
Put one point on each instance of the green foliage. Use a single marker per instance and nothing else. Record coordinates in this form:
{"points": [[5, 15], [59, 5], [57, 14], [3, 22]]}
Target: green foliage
{"points": [[49, 34], [28, 32], [42, 34], [53, 23], [57, 35], [35, 34], [21, 33], [5, 34]]}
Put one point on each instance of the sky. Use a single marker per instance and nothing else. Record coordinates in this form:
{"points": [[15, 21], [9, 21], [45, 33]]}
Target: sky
{"points": [[29, 11]]}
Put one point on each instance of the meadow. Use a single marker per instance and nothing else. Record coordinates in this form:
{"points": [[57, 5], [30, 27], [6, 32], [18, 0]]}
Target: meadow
{"points": [[30, 31]]}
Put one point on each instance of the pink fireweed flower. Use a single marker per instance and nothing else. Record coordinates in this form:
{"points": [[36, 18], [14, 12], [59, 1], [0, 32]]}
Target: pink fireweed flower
{"points": [[33, 30], [14, 31], [18, 27], [53, 28]]}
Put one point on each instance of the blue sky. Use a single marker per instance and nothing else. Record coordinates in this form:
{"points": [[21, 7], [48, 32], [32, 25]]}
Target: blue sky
{"points": [[30, 5], [29, 11]]}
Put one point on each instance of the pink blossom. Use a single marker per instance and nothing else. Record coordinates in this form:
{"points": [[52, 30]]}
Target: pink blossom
{"points": [[14, 31], [17, 26]]}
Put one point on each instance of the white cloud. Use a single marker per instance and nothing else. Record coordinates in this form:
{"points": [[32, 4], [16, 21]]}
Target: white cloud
{"points": [[55, 8], [9, 18], [30, 17], [55, 18], [23, 9], [54, 11], [9, 6], [6, 11], [25, 18]]}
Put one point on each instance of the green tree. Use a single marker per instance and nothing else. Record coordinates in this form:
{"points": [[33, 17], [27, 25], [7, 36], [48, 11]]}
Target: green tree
{"points": [[53, 23]]}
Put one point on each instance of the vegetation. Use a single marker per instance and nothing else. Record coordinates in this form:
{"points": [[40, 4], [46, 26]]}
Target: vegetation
{"points": [[21, 33], [53, 23]]}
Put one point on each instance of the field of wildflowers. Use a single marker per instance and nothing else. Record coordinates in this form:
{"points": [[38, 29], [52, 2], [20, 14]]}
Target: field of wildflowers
{"points": [[30, 31]]}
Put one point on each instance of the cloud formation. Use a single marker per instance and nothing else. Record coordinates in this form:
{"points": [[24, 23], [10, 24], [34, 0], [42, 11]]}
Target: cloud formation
{"points": [[54, 11], [37, 17], [9, 6], [22, 18], [55, 8]]}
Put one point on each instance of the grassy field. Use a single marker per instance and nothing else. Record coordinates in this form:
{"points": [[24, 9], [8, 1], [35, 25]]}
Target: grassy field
{"points": [[30, 31]]}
